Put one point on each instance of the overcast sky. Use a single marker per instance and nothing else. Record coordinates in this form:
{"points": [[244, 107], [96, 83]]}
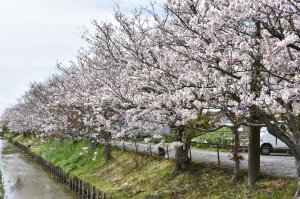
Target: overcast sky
{"points": [[35, 34]]}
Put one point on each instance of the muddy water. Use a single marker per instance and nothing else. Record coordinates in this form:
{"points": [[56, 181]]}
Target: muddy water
{"points": [[24, 179]]}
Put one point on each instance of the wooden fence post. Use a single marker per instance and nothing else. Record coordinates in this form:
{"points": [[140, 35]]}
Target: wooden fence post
{"points": [[79, 186], [97, 194], [218, 153], [83, 189]]}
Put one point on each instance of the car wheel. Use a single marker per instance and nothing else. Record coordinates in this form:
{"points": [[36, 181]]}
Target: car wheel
{"points": [[266, 149]]}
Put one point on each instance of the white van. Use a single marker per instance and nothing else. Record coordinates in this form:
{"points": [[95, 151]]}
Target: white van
{"points": [[270, 143]]}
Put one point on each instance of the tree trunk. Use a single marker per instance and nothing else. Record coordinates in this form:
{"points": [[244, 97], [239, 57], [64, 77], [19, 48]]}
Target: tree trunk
{"points": [[254, 155], [27, 134], [297, 194], [182, 158], [182, 152], [236, 173], [254, 137], [106, 137], [107, 151]]}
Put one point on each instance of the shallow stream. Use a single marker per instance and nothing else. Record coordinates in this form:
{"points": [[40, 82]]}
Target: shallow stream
{"points": [[24, 179]]}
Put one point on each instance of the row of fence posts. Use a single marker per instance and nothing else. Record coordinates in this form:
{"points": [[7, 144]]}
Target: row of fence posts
{"points": [[136, 144], [218, 149], [85, 190], [150, 152]]}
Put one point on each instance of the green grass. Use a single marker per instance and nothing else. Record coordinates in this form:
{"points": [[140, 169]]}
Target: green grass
{"points": [[151, 177], [222, 136]]}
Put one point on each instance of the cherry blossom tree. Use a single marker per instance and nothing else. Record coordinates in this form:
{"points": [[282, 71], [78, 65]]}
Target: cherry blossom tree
{"points": [[152, 69], [251, 49]]}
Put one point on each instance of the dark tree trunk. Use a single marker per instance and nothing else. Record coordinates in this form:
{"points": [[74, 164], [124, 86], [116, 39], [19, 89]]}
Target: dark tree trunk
{"points": [[254, 155], [297, 194], [236, 158], [27, 134], [107, 151], [254, 137], [182, 153], [107, 146], [295, 148], [182, 158]]}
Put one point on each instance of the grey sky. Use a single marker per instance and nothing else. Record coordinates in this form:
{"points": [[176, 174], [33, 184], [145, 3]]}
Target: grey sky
{"points": [[35, 34]]}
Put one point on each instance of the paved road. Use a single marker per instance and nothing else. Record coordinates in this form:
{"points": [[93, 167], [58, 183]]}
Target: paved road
{"points": [[275, 164]]}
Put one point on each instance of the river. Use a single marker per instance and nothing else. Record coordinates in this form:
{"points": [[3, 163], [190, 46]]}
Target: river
{"points": [[24, 179]]}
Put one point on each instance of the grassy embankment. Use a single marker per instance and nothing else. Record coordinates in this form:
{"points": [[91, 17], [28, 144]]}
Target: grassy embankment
{"points": [[150, 177]]}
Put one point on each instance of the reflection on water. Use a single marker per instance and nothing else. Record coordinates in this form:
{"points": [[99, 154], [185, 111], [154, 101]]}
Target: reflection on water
{"points": [[23, 179]]}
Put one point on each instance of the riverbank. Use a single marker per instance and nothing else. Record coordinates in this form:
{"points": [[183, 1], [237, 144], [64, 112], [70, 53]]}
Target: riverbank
{"points": [[129, 176]]}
